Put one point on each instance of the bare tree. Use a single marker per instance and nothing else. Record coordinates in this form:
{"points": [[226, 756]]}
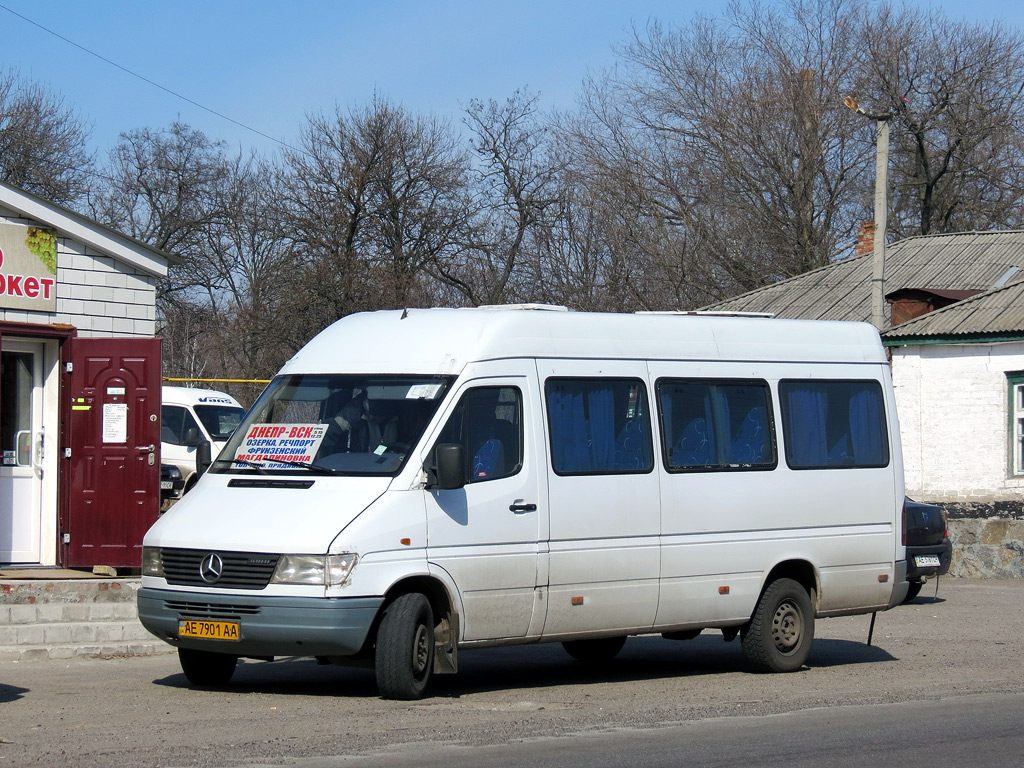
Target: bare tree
{"points": [[374, 199], [165, 188], [515, 191], [42, 142], [956, 93], [171, 189], [725, 147]]}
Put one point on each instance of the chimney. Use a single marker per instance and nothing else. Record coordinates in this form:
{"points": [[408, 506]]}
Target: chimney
{"points": [[865, 238]]}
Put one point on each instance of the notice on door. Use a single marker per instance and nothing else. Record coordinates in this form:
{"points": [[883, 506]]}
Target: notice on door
{"points": [[115, 423]]}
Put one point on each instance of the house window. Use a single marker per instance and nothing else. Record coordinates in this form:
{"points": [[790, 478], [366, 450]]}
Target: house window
{"points": [[1016, 428]]}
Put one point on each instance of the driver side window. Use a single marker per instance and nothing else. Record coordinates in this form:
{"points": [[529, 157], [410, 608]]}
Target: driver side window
{"points": [[488, 424], [175, 423]]}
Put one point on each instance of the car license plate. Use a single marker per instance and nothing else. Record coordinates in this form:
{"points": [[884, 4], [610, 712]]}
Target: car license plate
{"points": [[209, 630], [166, 485], [925, 560]]}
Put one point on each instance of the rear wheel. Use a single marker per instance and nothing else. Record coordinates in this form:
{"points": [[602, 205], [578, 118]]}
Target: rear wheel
{"points": [[405, 648], [593, 651], [914, 591], [204, 668], [779, 635]]}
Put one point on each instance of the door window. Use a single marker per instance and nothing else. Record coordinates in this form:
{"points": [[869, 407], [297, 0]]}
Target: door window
{"points": [[175, 423], [488, 423], [16, 408]]}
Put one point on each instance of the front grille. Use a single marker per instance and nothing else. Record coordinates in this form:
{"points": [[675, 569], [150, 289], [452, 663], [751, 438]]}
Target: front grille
{"points": [[242, 570], [190, 609]]}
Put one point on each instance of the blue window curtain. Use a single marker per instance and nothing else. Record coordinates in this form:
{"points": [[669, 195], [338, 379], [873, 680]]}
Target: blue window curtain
{"points": [[806, 440], [568, 430], [601, 404], [599, 425], [866, 430]]}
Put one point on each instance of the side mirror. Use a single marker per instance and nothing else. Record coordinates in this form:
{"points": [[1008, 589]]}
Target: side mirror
{"points": [[203, 457], [191, 437], [448, 472]]}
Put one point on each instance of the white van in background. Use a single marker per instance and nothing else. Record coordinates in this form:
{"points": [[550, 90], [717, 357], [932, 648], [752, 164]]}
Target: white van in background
{"points": [[189, 416], [418, 483]]}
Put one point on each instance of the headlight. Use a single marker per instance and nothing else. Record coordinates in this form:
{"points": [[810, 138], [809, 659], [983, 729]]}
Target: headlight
{"points": [[329, 570], [152, 562]]}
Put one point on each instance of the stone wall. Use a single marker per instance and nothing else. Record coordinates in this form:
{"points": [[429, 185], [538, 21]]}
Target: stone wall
{"points": [[988, 540]]}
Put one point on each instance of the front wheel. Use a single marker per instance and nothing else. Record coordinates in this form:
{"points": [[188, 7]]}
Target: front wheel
{"points": [[779, 635], [404, 654], [204, 668], [594, 651]]}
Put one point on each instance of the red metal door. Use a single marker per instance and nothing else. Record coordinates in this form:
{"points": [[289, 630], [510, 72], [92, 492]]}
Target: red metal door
{"points": [[114, 441]]}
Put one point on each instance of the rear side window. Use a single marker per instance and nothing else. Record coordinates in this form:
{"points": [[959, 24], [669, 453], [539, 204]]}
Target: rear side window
{"points": [[833, 424], [599, 426], [716, 425]]}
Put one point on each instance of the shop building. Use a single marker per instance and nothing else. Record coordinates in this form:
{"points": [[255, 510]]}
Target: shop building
{"points": [[79, 387]]}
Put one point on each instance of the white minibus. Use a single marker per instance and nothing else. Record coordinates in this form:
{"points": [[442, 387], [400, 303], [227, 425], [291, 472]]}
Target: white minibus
{"points": [[189, 416], [422, 482]]}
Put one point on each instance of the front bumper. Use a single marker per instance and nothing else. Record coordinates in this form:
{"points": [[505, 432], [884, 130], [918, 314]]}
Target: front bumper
{"points": [[270, 626]]}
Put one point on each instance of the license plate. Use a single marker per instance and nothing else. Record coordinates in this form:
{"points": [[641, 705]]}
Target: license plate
{"points": [[925, 560], [210, 630], [166, 485]]}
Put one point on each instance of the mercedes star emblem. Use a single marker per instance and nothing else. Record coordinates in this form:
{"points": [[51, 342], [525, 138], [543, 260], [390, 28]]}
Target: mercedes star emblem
{"points": [[211, 568]]}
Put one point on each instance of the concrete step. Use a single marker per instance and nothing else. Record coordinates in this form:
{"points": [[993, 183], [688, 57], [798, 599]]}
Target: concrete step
{"points": [[62, 619]]}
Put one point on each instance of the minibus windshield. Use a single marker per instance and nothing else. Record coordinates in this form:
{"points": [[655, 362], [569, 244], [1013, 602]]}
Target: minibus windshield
{"points": [[220, 420], [340, 424]]}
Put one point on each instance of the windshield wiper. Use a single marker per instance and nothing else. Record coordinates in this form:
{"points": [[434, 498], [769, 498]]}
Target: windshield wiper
{"points": [[246, 463], [304, 465]]}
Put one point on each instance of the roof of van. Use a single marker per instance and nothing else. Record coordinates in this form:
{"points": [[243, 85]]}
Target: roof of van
{"points": [[195, 396], [444, 341]]}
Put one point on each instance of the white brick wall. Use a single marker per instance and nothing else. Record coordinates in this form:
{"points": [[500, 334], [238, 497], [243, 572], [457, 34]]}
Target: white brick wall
{"points": [[96, 294], [952, 402]]}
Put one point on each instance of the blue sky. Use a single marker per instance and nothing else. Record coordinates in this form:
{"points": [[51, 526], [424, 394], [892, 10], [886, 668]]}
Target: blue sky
{"points": [[268, 63]]}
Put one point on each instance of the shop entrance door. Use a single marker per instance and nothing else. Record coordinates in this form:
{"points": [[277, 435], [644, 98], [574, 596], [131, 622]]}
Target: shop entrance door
{"points": [[113, 450], [21, 439]]}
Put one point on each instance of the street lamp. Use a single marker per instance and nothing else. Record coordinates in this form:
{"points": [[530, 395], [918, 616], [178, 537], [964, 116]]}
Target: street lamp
{"points": [[881, 211]]}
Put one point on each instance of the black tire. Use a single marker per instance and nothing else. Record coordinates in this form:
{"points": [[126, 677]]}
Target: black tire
{"points": [[779, 635], [205, 668], [914, 591], [594, 651], [404, 653]]}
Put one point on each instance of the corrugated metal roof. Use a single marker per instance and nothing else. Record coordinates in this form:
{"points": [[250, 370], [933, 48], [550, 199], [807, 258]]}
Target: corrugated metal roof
{"points": [[997, 312], [841, 291]]}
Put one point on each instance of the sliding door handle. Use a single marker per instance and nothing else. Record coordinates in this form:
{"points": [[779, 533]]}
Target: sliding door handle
{"points": [[520, 508]]}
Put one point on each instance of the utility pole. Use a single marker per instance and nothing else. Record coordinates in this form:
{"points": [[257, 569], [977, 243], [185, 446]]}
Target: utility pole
{"points": [[881, 212]]}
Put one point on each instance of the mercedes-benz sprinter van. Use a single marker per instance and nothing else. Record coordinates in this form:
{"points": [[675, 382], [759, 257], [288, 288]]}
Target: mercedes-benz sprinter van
{"points": [[418, 483]]}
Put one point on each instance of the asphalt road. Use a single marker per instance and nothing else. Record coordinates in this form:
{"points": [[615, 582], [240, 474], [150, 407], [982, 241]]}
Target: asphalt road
{"points": [[942, 684]]}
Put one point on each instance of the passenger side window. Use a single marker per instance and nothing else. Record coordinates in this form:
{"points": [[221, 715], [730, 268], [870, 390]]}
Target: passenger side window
{"points": [[175, 423], [488, 423], [716, 425], [599, 426], [833, 424]]}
